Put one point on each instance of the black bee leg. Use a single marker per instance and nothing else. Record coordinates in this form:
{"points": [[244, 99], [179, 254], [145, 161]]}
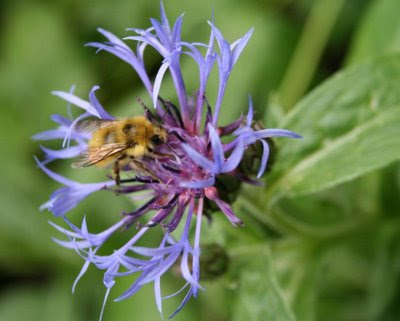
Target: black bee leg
{"points": [[154, 155], [139, 167], [116, 169]]}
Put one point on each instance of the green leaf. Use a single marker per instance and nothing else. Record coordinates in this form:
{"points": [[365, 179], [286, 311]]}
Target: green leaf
{"points": [[390, 190], [259, 296], [360, 274], [350, 126], [342, 284], [344, 208], [299, 284], [385, 276], [305, 300], [379, 31]]}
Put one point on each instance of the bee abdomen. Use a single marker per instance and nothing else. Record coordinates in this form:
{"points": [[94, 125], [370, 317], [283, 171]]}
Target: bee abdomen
{"points": [[109, 137], [103, 136], [129, 129]]}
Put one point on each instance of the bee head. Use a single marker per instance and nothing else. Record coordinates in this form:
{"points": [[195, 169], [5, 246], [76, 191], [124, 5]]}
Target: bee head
{"points": [[159, 136]]}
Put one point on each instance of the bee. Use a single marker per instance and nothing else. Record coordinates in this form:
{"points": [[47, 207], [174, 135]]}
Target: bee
{"points": [[120, 142]]}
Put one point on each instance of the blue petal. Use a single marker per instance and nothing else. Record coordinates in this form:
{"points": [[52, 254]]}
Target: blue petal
{"points": [[65, 153], [157, 294], [64, 231], [164, 18], [81, 273], [235, 158], [67, 197], [77, 102], [176, 30], [239, 45], [114, 39], [227, 210], [218, 152], [264, 158], [198, 184], [157, 82], [96, 104], [148, 251], [198, 158], [61, 120], [124, 54], [275, 132], [250, 113], [118, 48], [50, 134], [162, 34], [182, 304], [186, 273], [176, 292], [57, 177]]}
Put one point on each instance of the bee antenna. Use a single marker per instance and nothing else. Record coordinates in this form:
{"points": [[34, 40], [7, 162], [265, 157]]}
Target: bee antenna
{"points": [[173, 132], [149, 115], [140, 101], [164, 116], [172, 110]]}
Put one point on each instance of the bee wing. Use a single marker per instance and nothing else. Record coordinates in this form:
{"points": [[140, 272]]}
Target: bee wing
{"points": [[96, 154], [90, 125]]}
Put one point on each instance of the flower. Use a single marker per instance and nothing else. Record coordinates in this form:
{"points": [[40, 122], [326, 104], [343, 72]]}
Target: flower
{"points": [[180, 187]]}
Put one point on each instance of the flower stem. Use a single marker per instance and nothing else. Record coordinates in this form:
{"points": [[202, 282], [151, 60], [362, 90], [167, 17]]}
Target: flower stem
{"points": [[308, 52]]}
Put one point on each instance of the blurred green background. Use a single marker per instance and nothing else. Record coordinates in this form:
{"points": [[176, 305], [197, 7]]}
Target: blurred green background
{"points": [[336, 257]]}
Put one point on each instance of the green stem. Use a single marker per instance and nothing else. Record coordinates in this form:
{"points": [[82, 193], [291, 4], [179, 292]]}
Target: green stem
{"points": [[309, 50]]}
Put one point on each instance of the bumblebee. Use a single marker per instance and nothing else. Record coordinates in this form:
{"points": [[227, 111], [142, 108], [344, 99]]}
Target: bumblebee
{"points": [[120, 142]]}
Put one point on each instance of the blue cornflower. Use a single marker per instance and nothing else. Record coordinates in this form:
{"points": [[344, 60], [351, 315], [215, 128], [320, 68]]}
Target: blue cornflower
{"points": [[181, 186]]}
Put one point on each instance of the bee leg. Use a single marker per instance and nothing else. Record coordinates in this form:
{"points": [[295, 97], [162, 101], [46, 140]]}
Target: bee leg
{"points": [[116, 169], [139, 167], [154, 155], [157, 155]]}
